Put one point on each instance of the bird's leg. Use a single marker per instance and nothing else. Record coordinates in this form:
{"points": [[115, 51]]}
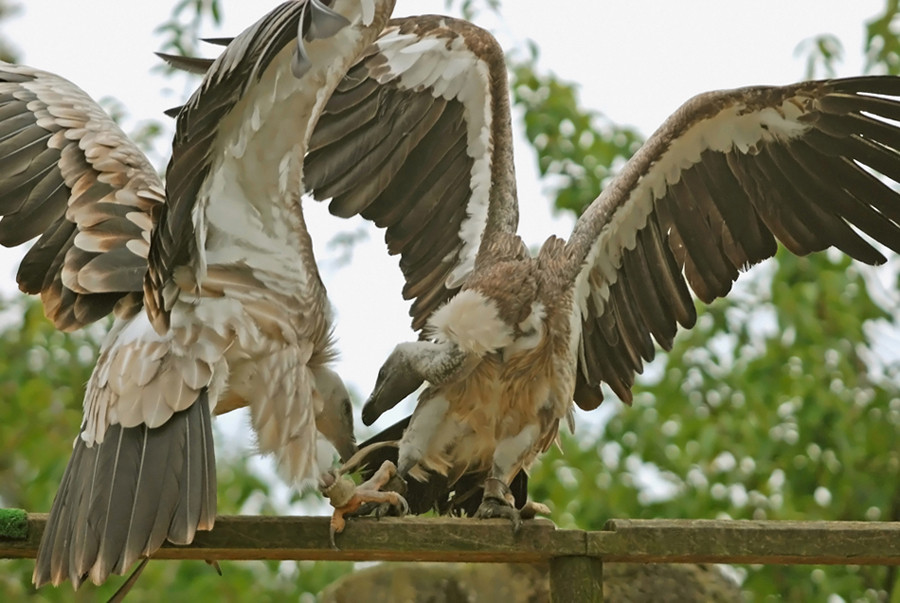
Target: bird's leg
{"points": [[498, 500], [346, 497]]}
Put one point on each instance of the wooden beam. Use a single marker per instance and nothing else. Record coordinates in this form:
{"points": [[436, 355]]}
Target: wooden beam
{"points": [[364, 539], [768, 542], [451, 539]]}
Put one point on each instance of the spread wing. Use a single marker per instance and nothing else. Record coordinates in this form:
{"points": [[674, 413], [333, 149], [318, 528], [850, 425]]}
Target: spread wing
{"points": [[69, 175], [709, 194], [406, 141], [231, 105]]}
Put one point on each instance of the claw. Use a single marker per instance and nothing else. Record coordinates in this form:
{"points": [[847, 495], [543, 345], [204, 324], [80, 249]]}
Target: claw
{"points": [[491, 508], [498, 501], [533, 509], [346, 497]]}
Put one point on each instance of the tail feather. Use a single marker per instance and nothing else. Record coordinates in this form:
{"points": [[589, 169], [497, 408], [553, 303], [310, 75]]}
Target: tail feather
{"points": [[120, 500]]}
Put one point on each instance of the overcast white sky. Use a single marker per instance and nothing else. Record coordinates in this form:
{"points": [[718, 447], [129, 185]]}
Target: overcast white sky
{"points": [[636, 61]]}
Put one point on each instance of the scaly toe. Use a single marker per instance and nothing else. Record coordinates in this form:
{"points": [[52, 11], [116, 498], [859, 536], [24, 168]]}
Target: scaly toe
{"points": [[492, 508], [533, 509]]}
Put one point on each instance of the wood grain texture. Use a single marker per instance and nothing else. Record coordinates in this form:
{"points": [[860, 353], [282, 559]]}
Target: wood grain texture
{"points": [[465, 540]]}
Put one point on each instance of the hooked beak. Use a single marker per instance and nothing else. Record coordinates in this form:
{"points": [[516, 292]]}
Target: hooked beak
{"points": [[396, 380]]}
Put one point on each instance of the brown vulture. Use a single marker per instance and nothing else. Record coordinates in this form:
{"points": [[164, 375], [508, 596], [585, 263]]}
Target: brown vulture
{"points": [[417, 138]]}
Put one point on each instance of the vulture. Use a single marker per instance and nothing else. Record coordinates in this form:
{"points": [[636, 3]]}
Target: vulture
{"points": [[417, 138], [210, 277]]}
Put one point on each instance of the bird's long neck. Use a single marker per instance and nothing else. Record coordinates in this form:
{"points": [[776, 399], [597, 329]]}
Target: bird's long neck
{"points": [[503, 173]]}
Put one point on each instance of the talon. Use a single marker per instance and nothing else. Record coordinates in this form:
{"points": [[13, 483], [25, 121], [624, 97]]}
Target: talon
{"points": [[331, 532], [533, 509], [492, 508], [498, 501], [346, 497]]}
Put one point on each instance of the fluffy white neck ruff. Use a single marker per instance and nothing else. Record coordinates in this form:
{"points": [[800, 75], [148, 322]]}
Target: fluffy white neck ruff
{"points": [[471, 321]]}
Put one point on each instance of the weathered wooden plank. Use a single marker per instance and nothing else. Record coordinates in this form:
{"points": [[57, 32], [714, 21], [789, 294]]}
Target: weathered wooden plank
{"points": [[364, 539], [451, 539], [576, 579], [770, 542]]}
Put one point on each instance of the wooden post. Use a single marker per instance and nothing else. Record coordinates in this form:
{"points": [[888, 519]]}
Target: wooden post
{"points": [[575, 579]]}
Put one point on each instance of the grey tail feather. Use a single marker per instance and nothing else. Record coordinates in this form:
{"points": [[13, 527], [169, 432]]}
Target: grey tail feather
{"points": [[120, 500]]}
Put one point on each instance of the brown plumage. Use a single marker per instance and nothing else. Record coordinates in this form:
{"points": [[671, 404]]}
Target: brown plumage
{"points": [[510, 341]]}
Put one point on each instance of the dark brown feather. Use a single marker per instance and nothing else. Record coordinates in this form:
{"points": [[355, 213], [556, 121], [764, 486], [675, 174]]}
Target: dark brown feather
{"points": [[444, 148], [659, 320], [852, 192], [458, 497], [381, 165], [832, 229], [753, 241]]}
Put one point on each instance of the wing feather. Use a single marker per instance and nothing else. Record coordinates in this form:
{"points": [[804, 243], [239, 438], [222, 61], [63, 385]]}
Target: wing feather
{"points": [[405, 141], [708, 195], [71, 176]]}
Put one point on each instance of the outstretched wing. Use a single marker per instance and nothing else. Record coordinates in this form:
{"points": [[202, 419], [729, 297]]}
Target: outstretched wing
{"points": [[230, 107], [406, 141], [71, 176], [708, 195]]}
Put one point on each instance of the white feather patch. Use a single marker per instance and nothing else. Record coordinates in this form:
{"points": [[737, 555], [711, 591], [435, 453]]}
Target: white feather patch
{"points": [[510, 452], [532, 329], [471, 321]]}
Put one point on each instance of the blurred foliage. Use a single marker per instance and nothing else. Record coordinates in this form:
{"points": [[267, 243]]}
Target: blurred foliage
{"points": [[882, 46], [470, 9], [743, 422], [823, 53], [740, 420], [578, 149], [752, 422], [181, 31], [7, 52]]}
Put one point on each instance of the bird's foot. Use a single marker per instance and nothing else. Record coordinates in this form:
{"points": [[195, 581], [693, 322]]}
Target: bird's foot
{"points": [[346, 497], [491, 508], [532, 509], [498, 501], [394, 484]]}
